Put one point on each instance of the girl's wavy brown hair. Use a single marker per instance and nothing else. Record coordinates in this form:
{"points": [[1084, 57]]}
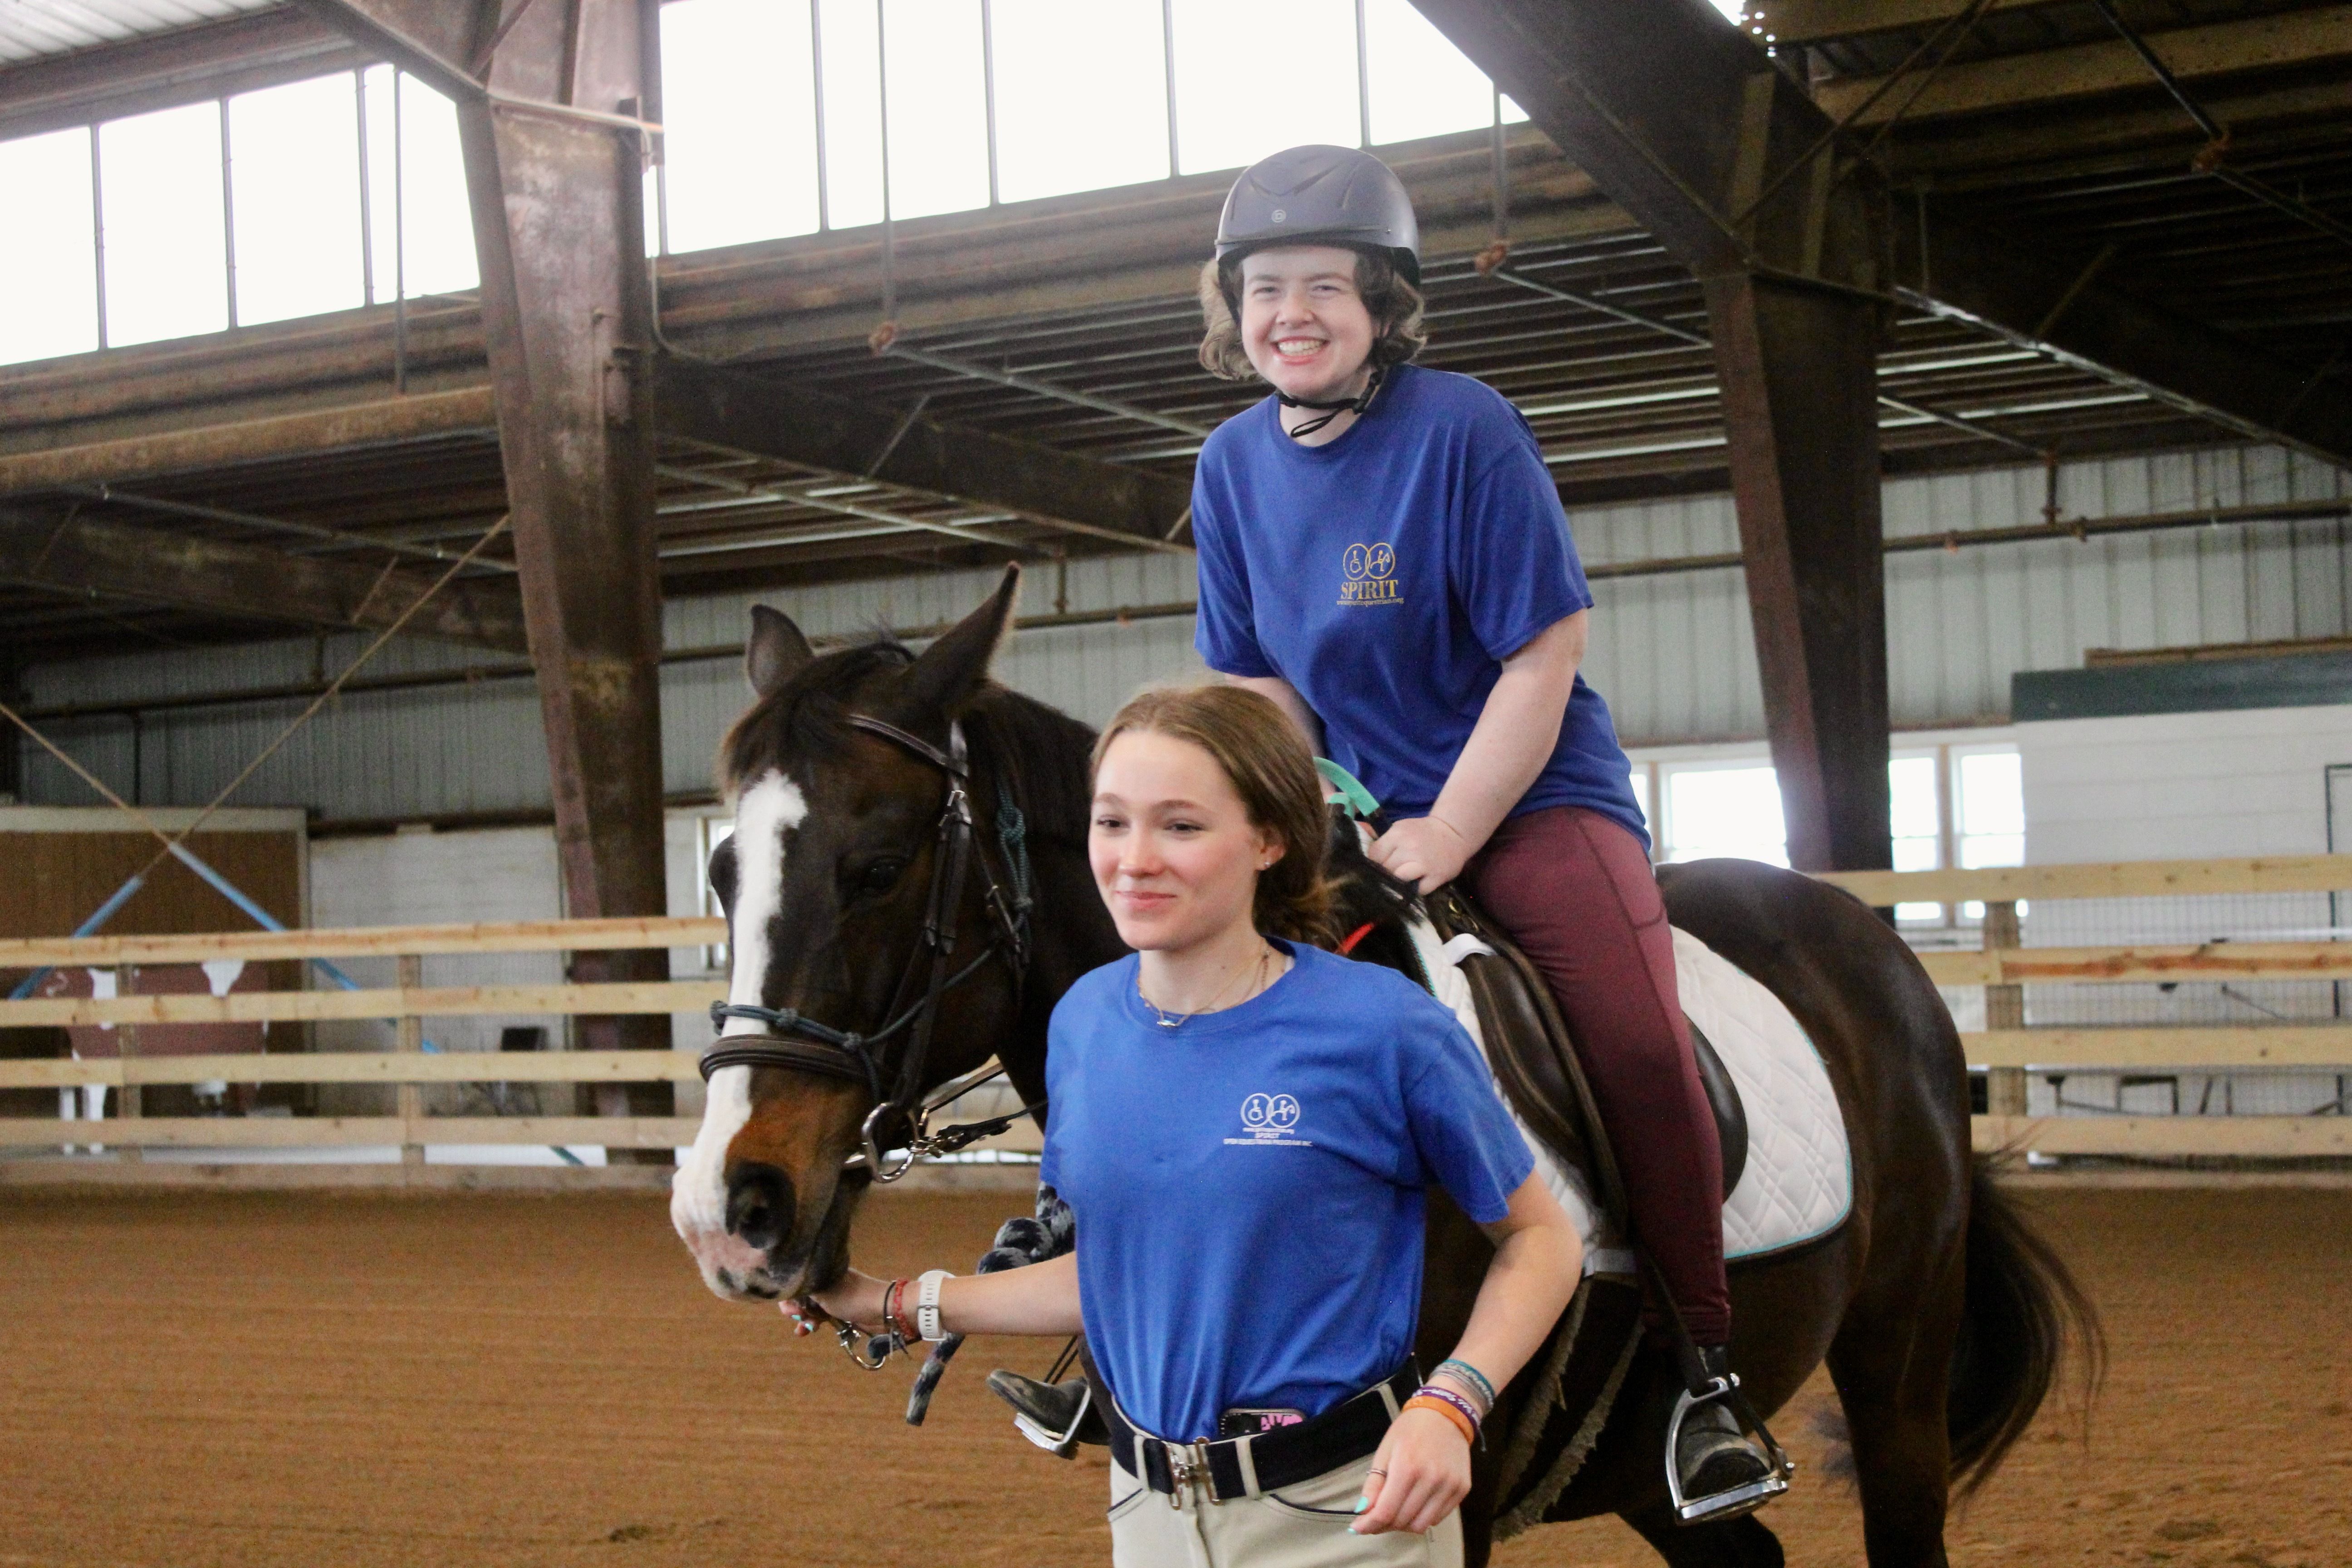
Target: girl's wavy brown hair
{"points": [[1262, 753], [1398, 331]]}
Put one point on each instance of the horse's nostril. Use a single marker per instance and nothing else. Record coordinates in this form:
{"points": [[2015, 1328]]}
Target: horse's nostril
{"points": [[758, 1205]]}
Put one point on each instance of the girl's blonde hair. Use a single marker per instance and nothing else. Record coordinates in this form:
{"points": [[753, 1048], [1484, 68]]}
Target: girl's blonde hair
{"points": [[1270, 767]]}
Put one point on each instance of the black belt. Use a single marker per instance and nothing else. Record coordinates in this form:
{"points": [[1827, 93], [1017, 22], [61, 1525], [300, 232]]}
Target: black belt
{"points": [[1264, 1461]]}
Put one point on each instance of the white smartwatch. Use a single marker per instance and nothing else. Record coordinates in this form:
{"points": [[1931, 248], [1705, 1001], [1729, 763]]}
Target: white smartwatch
{"points": [[926, 1305]]}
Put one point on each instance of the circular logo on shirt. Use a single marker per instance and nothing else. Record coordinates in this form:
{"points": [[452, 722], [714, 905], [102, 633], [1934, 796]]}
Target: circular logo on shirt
{"points": [[1269, 1113], [1363, 561]]}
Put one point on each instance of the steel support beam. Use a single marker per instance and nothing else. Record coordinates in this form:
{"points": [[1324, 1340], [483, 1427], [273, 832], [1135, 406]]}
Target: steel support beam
{"points": [[554, 168], [1697, 135], [738, 412], [1800, 416], [84, 557], [344, 428]]}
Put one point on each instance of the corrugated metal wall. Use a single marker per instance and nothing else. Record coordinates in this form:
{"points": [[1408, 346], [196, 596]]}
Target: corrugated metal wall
{"points": [[1674, 654]]}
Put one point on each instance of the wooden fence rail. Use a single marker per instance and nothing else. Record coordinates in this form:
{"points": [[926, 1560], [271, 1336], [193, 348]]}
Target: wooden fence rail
{"points": [[396, 1002], [2004, 1047], [2115, 880], [365, 941]]}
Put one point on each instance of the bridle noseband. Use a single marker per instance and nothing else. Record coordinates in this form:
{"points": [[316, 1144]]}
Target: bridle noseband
{"points": [[801, 1043]]}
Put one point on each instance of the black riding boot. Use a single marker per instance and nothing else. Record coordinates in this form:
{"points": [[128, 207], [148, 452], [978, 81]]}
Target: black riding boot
{"points": [[1712, 1455]]}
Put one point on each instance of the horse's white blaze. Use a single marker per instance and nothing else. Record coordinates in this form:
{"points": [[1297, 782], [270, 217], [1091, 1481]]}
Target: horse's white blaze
{"points": [[764, 814]]}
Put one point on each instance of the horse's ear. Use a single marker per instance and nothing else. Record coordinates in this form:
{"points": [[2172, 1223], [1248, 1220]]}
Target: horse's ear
{"points": [[951, 669], [775, 650]]}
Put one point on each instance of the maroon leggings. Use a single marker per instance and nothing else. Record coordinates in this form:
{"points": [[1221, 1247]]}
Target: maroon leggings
{"points": [[1575, 891]]}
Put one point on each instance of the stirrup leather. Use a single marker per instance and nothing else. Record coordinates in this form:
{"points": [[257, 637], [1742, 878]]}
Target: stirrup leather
{"points": [[1723, 1390]]}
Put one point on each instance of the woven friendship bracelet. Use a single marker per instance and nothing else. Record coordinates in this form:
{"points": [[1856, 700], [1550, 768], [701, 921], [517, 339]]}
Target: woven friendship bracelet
{"points": [[1471, 1378], [1451, 1405], [894, 1309]]}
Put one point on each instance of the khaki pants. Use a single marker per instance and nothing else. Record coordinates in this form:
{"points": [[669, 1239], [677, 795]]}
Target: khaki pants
{"points": [[1305, 1526]]}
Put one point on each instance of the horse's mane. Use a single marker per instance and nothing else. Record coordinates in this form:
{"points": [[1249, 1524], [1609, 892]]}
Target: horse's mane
{"points": [[1044, 755], [1040, 752]]}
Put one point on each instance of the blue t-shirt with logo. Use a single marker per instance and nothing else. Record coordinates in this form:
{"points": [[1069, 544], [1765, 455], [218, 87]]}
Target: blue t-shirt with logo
{"points": [[1249, 1186], [1387, 575]]}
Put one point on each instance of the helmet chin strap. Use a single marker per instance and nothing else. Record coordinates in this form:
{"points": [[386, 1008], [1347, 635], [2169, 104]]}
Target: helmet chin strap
{"points": [[1356, 406]]}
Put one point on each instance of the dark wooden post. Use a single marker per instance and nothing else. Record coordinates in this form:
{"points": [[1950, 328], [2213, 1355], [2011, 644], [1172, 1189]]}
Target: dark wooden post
{"points": [[566, 306], [1798, 373], [553, 97]]}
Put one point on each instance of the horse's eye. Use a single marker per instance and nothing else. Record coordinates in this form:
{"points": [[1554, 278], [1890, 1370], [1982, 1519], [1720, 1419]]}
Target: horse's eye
{"points": [[881, 875]]}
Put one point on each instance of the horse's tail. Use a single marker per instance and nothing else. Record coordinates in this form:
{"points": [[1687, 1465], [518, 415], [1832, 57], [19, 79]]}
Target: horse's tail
{"points": [[2023, 1308]]}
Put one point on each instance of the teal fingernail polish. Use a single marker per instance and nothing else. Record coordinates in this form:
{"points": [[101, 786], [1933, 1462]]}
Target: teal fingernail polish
{"points": [[1361, 1504]]}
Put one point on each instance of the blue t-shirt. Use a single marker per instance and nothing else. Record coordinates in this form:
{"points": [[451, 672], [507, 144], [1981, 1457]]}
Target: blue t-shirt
{"points": [[1387, 575], [1249, 1186]]}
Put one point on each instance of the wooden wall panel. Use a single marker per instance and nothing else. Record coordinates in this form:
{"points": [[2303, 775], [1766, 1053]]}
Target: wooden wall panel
{"points": [[50, 882]]}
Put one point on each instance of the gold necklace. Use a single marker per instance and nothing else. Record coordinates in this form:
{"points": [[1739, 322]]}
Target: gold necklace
{"points": [[1176, 1020]]}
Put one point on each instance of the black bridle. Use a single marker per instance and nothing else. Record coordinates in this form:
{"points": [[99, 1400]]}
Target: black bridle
{"points": [[801, 1043]]}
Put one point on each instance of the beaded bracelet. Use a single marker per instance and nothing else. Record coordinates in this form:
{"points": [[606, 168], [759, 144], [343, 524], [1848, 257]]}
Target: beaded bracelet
{"points": [[1471, 1378], [1453, 1407]]}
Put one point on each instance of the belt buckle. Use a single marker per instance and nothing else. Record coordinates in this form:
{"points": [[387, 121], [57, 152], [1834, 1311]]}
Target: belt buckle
{"points": [[1189, 1463]]}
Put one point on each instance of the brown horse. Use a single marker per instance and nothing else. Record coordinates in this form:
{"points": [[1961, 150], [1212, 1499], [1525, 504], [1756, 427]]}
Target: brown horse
{"points": [[1943, 1319]]}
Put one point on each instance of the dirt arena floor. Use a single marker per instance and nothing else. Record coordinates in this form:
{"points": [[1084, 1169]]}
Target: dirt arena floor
{"points": [[256, 1379]]}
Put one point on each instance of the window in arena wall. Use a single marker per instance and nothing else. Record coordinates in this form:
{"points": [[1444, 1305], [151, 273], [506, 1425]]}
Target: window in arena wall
{"points": [[1989, 812], [1949, 805], [134, 230], [1722, 808], [738, 117], [49, 255], [1061, 63], [163, 242], [294, 196]]}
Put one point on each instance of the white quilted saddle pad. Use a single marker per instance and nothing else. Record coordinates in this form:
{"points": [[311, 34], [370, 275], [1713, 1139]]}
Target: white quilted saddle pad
{"points": [[1798, 1182]]}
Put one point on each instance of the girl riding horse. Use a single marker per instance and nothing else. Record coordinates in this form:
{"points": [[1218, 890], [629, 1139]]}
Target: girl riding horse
{"points": [[1383, 554], [1244, 1126]]}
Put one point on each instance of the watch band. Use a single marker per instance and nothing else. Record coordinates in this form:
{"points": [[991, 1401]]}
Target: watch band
{"points": [[926, 1304]]}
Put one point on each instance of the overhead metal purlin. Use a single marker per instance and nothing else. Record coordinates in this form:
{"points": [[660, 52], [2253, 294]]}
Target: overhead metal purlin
{"points": [[971, 531], [2213, 158], [898, 348], [1699, 339], [310, 531]]}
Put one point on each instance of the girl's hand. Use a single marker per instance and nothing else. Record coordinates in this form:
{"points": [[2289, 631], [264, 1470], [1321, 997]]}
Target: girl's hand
{"points": [[856, 1299], [1423, 850], [1427, 1467]]}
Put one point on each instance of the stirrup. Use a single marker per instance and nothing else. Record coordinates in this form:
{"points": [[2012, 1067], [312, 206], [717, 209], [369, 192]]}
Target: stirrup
{"points": [[1741, 1499], [1039, 1407]]}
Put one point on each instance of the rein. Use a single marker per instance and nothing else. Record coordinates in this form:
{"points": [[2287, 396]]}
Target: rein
{"points": [[797, 1043]]}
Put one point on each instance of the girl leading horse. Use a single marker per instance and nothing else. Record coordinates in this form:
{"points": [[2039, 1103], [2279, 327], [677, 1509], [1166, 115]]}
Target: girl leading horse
{"points": [[1943, 1319]]}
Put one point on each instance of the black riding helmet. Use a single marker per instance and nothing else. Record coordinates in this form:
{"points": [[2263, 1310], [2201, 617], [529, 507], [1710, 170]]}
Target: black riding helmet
{"points": [[1320, 195]]}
